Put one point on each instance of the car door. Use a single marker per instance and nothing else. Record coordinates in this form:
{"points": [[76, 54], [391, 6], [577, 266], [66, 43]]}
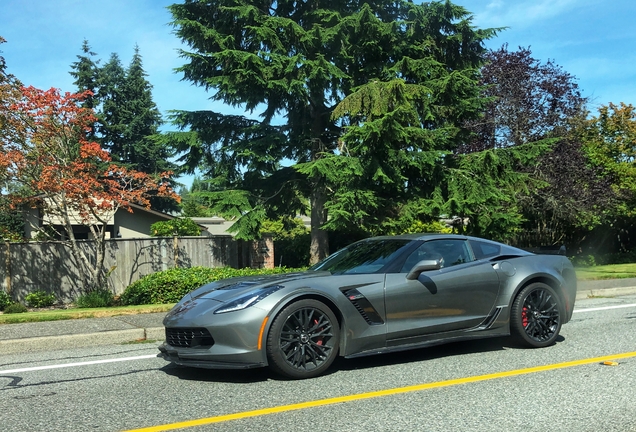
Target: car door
{"points": [[459, 295]]}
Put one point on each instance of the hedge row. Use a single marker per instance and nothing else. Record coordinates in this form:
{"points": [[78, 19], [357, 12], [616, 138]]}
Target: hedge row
{"points": [[170, 286]]}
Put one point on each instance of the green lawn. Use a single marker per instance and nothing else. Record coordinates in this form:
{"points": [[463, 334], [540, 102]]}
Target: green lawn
{"points": [[611, 271], [66, 314]]}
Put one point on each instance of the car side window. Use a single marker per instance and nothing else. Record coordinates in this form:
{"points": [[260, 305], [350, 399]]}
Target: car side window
{"points": [[451, 252], [484, 250]]}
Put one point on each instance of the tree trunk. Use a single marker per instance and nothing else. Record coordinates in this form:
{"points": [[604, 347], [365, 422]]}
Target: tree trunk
{"points": [[319, 248]]}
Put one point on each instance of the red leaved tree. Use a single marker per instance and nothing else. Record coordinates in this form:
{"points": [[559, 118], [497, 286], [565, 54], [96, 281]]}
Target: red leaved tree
{"points": [[45, 150]]}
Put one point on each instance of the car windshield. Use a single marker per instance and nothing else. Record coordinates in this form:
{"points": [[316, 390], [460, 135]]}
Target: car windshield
{"points": [[363, 257]]}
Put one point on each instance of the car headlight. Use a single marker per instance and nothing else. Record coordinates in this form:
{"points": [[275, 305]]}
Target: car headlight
{"points": [[248, 299]]}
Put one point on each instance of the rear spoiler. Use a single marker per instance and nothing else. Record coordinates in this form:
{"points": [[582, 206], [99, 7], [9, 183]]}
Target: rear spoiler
{"points": [[547, 250]]}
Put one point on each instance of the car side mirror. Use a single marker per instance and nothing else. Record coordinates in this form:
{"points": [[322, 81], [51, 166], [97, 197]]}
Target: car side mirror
{"points": [[422, 266]]}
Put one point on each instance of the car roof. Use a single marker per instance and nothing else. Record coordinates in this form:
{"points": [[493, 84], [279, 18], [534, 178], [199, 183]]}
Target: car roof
{"points": [[421, 236], [506, 249]]}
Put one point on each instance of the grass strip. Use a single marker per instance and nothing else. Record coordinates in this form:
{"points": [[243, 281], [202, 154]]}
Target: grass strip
{"points": [[68, 314], [610, 271]]}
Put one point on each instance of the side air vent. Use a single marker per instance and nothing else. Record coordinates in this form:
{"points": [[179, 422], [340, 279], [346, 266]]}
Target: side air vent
{"points": [[488, 322], [360, 302]]}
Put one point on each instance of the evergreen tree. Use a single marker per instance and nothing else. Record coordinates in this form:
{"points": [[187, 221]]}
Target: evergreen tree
{"points": [[9, 94], [407, 78], [128, 119], [142, 119], [112, 112], [11, 221], [192, 201], [86, 73]]}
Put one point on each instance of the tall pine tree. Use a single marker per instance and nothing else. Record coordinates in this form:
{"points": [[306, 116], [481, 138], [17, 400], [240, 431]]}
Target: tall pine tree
{"points": [[86, 73], [128, 118], [408, 70], [142, 118], [112, 111]]}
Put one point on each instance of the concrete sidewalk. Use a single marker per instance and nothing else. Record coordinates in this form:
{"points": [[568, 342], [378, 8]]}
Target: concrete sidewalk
{"points": [[41, 336], [605, 288], [49, 335]]}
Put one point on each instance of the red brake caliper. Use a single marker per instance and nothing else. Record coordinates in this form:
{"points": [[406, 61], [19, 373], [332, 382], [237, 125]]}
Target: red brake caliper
{"points": [[319, 341], [524, 317]]}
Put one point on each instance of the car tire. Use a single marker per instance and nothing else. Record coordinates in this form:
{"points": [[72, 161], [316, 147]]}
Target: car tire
{"points": [[303, 340], [536, 316]]}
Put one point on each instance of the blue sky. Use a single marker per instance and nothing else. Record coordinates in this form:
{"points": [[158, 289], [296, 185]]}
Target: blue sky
{"points": [[591, 39]]}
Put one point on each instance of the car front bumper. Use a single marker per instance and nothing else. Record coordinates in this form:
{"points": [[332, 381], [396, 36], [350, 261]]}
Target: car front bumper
{"points": [[205, 359], [197, 337]]}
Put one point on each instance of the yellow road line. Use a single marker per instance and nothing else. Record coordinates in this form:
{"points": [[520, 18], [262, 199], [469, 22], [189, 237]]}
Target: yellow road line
{"points": [[380, 393]]}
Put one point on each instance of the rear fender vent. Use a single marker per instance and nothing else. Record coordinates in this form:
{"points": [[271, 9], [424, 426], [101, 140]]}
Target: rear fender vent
{"points": [[504, 257]]}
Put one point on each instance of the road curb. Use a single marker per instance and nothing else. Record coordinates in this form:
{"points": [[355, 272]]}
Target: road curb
{"points": [[156, 333], [35, 344], [605, 292]]}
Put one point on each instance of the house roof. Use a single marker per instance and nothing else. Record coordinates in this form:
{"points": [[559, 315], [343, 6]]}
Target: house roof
{"points": [[166, 216]]}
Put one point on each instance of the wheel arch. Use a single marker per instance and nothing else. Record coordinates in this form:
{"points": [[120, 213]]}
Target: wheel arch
{"points": [[303, 296], [546, 333], [547, 280]]}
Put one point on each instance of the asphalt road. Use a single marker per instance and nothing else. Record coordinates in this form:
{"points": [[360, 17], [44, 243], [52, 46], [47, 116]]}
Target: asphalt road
{"points": [[459, 387]]}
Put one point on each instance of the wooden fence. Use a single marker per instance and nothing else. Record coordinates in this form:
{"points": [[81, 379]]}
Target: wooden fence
{"points": [[49, 266]]}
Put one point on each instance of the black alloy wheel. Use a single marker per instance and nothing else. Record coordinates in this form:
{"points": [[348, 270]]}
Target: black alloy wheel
{"points": [[536, 316], [303, 340]]}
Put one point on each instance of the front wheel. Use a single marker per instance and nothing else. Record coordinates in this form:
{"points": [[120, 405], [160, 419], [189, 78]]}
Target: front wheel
{"points": [[536, 316], [303, 340]]}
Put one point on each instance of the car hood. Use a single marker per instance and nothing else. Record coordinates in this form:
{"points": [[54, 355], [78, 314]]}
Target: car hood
{"points": [[229, 289]]}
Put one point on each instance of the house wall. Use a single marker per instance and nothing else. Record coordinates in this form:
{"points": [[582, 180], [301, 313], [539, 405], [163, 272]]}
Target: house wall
{"points": [[74, 216], [129, 225], [136, 224], [31, 222], [49, 266]]}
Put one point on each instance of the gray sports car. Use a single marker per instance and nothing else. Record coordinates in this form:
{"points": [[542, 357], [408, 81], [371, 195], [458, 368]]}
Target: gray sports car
{"points": [[378, 295]]}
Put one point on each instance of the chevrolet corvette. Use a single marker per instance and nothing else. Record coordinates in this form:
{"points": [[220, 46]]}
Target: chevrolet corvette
{"points": [[377, 295]]}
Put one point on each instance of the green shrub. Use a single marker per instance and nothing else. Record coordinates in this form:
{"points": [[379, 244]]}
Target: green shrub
{"points": [[583, 260], [175, 227], [170, 286], [96, 299], [15, 308], [291, 241], [617, 258], [38, 299], [5, 300]]}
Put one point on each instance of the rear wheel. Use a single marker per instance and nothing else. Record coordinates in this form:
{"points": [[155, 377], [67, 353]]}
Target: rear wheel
{"points": [[303, 340], [536, 316]]}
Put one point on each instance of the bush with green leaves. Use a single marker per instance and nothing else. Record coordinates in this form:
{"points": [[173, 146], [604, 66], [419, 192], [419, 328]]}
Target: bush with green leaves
{"points": [[96, 299], [15, 308], [5, 300], [170, 286], [39, 299], [291, 241], [175, 227]]}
